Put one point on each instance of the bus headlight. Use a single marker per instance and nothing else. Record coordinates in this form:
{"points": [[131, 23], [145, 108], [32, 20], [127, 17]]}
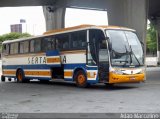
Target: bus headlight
{"points": [[142, 71]]}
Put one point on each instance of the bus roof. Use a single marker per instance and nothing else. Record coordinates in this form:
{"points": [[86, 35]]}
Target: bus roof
{"points": [[69, 29], [85, 26]]}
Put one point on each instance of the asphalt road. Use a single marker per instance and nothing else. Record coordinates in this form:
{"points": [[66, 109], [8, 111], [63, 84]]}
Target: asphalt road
{"points": [[36, 97]]}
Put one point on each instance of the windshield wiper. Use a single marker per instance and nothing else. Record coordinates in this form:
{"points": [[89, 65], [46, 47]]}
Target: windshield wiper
{"points": [[134, 55]]}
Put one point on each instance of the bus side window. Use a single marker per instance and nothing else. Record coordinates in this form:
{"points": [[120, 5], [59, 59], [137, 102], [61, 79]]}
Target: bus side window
{"points": [[62, 42], [74, 40], [32, 46], [51, 43], [82, 39], [48, 43], [26, 46], [5, 50], [37, 45], [78, 40], [21, 47], [14, 48]]}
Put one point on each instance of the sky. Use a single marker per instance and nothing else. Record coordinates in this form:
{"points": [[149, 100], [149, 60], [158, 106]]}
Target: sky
{"points": [[35, 22]]}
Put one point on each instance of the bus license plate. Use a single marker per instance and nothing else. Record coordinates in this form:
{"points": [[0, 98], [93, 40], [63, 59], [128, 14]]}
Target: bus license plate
{"points": [[132, 78]]}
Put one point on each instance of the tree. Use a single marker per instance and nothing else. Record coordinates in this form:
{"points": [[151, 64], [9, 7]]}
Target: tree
{"points": [[151, 39], [14, 35]]}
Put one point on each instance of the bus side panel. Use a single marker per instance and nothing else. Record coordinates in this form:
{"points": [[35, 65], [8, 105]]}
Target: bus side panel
{"points": [[77, 60], [71, 61], [34, 66]]}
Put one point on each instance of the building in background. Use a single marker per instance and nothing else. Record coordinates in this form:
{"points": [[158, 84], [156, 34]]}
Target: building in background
{"points": [[16, 28]]}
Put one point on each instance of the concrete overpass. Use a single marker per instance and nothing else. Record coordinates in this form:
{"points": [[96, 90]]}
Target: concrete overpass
{"points": [[129, 13]]}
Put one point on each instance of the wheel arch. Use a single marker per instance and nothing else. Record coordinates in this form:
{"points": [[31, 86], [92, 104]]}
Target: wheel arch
{"points": [[78, 69], [19, 68]]}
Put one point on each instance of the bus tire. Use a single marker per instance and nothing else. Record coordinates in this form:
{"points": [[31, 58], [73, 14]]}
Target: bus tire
{"points": [[2, 78], [20, 76], [81, 79]]}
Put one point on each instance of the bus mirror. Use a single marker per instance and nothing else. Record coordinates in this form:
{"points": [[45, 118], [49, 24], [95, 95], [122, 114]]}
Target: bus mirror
{"points": [[142, 43]]}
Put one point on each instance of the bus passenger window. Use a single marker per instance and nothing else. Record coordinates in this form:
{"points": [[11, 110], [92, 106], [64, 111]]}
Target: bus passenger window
{"points": [[21, 47], [6, 49], [32, 46], [37, 45], [51, 43], [48, 44], [82, 39], [78, 40], [26, 46], [62, 42], [14, 48]]}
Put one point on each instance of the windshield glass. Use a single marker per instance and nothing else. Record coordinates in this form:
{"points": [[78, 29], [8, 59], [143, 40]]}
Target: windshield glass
{"points": [[126, 49]]}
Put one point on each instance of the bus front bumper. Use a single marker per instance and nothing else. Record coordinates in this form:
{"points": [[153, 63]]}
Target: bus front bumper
{"points": [[117, 78]]}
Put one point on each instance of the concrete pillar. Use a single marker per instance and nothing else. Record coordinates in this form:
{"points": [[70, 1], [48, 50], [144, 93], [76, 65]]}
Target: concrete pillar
{"points": [[129, 13], [156, 22], [55, 17], [158, 49]]}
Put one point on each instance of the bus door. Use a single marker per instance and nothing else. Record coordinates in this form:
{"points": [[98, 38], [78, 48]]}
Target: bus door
{"points": [[98, 54]]}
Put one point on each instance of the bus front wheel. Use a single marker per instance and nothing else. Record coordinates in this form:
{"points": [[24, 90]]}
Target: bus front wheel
{"points": [[81, 79]]}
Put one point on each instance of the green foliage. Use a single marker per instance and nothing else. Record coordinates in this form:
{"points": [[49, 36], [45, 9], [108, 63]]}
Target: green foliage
{"points": [[151, 38], [11, 36]]}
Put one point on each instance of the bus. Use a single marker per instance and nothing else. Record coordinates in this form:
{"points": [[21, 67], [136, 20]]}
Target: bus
{"points": [[85, 54]]}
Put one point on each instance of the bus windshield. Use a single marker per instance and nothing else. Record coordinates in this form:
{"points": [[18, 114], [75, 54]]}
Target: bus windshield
{"points": [[126, 49]]}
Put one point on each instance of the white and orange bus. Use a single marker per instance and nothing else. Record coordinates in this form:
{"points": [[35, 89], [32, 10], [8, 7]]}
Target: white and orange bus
{"points": [[86, 54]]}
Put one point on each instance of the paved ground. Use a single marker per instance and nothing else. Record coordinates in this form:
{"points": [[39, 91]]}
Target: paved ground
{"points": [[66, 97]]}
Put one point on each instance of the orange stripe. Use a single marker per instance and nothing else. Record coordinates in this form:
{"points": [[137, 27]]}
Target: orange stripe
{"points": [[9, 72], [53, 60], [68, 73], [41, 73], [89, 75], [73, 52]]}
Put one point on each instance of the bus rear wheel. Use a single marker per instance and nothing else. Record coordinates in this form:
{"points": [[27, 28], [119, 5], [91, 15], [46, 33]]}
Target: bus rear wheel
{"points": [[81, 79]]}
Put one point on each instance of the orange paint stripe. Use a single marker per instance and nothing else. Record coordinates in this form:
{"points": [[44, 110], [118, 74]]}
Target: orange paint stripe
{"points": [[73, 52], [89, 75], [68, 73], [41, 73], [9, 72], [53, 60]]}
